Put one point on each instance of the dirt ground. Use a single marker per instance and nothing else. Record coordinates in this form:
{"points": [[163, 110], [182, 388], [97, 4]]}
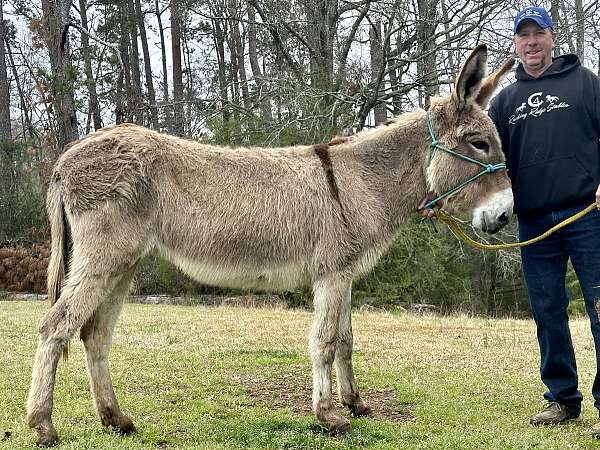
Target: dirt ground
{"points": [[287, 391]]}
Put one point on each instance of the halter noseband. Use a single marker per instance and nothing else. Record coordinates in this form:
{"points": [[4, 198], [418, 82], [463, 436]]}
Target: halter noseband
{"points": [[487, 168]]}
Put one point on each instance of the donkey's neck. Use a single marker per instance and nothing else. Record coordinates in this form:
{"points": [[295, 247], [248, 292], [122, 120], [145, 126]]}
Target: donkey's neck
{"points": [[393, 159]]}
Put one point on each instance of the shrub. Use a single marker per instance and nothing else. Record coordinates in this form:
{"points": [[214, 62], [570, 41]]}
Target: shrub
{"points": [[23, 172]]}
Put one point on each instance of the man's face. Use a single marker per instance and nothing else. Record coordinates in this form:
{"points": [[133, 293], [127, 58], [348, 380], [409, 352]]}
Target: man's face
{"points": [[534, 46]]}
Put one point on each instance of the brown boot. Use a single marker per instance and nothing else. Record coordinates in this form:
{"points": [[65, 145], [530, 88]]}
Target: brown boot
{"points": [[553, 414]]}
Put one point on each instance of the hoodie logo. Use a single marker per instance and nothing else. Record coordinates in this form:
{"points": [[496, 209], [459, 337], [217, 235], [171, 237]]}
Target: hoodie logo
{"points": [[534, 100], [536, 105]]}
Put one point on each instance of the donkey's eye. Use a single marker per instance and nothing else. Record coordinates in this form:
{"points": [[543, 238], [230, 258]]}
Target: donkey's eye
{"points": [[481, 145]]}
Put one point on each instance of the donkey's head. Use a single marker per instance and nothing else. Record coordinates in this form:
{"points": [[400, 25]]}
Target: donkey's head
{"points": [[466, 163]]}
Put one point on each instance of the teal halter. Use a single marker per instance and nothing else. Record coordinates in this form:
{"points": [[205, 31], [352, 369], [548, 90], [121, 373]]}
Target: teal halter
{"points": [[487, 168]]}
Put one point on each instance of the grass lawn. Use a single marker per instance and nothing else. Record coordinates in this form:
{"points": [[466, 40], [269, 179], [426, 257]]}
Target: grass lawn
{"points": [[237, 378]]}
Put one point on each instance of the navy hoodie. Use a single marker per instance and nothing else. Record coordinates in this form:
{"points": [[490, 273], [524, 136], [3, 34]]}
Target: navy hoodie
{"points": [[549, 128]]}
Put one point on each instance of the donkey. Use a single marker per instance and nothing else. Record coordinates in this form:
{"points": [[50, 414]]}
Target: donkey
{"points": [[267, 219]]}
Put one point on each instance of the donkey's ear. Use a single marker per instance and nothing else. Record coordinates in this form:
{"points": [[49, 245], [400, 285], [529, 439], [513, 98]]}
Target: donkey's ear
{"points": [[490, 83], [470, 77]]}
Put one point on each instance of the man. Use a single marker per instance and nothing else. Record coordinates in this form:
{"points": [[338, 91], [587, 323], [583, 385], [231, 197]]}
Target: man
{"points": [[548, 121]]}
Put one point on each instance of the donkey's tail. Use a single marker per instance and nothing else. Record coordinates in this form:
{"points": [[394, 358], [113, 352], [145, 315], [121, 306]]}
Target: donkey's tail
{"points": [[61, 247]]}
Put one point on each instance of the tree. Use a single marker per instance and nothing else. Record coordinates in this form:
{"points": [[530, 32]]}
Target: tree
{"points": [[137, 97], [5, 127], [262, 98], [165, 81], [55, 29], [377, 68], [580, 29], [426, 65], [25, 113], [219, 34], [237, 50], [93, 107], [141, 25], [178, 119]]}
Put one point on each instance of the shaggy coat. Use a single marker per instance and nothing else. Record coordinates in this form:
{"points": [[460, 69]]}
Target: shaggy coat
{"points": [[256, 218]]}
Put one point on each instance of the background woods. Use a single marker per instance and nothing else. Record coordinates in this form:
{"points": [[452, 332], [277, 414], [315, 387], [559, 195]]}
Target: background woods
{"points": [[256, 72]]}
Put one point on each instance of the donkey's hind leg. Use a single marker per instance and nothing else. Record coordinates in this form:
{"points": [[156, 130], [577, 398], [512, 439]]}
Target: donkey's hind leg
{"points": [[81, 295], [97, 339], [328, 296], [347, 388]]}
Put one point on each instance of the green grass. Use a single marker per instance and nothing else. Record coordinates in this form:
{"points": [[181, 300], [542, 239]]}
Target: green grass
{"points": [[235, 378]]}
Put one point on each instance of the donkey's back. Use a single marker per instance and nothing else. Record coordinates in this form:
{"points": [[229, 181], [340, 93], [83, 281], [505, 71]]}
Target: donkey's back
{"points": [[246, 218]]}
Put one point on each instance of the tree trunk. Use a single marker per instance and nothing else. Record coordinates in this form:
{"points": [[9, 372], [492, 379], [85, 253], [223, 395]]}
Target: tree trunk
{"points": [[219, 37], [177, 72], [137, 100], [141, 24], [377, 66], [189, 79], [119, 104], [262, 98], [94, 110], [241, 64], [321, 17], [554, 7], [124, 41], [165, 80], [24, 110], [235, 88], [451, 58], [580, 29], [55, 30], [235, 84], [5, 128], [394, 69], [557, 7], [426, 65]]}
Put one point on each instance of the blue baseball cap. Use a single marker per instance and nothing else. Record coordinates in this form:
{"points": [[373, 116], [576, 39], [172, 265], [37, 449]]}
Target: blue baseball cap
{"points": [[536, 13]]}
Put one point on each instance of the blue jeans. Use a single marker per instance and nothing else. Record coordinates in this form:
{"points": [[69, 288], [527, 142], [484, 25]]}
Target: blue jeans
{"points": [[544, 267]]}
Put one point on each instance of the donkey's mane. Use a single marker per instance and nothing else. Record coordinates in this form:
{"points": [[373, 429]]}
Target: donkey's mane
{"points": [[390, 127]]}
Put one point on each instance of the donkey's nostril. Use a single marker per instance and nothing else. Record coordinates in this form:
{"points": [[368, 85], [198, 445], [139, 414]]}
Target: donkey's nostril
{"points": [[503, 218]]}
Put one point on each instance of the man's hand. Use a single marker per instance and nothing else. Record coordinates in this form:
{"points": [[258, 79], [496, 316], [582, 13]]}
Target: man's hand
{"points": [[598, 197], [428, 212]]}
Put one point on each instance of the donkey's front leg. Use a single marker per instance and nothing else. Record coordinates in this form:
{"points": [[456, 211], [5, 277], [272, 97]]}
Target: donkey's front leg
{"points": [[328, 295], [347, 388]]}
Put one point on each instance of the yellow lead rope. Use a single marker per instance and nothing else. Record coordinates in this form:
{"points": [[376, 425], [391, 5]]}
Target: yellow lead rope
{"points": [[459, 233]]}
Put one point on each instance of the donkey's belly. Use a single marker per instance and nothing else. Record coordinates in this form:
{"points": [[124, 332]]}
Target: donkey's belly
{"points": [[242, 276]]}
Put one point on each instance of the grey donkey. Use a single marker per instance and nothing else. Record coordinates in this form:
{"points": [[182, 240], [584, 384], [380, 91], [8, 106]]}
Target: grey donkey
{"points": [[269, 219]]}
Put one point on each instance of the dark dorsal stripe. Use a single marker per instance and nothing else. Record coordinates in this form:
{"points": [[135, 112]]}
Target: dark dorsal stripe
{"points": [[322, 151]]}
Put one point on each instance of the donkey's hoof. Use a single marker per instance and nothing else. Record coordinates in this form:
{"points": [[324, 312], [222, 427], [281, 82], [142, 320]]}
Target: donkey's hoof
{"points": [[361, 409], [339, 427], [47, 438], [118, 423], [125, 427]]}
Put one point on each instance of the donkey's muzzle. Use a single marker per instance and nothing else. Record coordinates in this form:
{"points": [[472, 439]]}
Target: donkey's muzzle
{"points": [[495, 213]]}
